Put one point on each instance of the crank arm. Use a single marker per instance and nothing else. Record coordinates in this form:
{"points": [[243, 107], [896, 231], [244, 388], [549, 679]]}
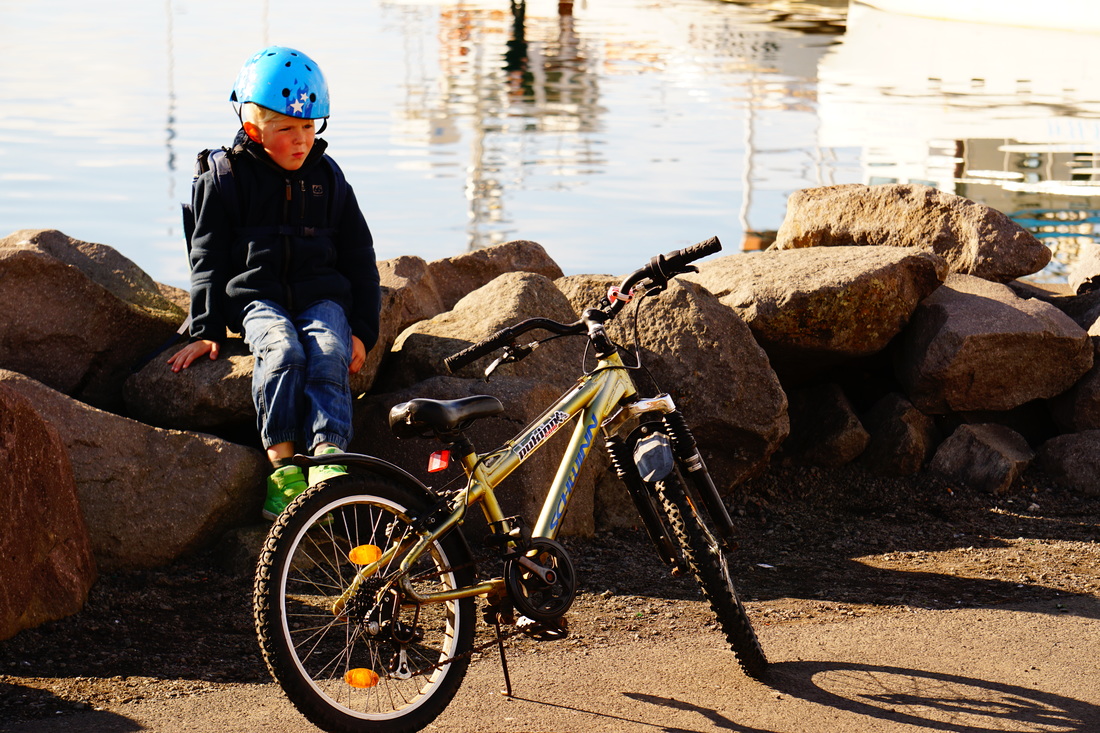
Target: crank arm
{"points": [[547, 575]]}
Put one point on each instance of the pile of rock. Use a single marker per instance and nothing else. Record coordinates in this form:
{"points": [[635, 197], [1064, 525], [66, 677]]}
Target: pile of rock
{"points": [[886, 325]]}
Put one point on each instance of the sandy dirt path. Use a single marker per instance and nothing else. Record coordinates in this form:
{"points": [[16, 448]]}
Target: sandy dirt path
{"points": [[1034, 668]]}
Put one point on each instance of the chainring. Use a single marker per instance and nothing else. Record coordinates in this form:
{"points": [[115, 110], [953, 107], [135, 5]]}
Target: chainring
{"points": [[545, 596]]}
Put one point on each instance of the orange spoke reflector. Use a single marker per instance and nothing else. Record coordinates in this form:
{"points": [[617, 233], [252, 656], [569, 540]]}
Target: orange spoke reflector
{"points": [[365, 555], [360, 677]]}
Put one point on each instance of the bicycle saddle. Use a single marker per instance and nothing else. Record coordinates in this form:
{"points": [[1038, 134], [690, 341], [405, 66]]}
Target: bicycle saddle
{"points": [[423, 417]]}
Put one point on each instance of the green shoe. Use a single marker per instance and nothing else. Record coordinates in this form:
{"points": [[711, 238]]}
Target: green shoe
{"points": [[317, 474], [282, 488]]}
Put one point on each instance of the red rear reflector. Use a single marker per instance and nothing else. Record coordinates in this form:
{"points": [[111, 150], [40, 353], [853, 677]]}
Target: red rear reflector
{"points": [[439, 461]]}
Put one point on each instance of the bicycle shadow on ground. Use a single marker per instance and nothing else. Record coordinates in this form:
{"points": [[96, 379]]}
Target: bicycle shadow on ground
{"points": [[931, 700], [911, 697]]}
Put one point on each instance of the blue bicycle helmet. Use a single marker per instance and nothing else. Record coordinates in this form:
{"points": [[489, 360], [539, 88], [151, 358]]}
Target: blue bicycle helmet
{"points": [[285, 81]]}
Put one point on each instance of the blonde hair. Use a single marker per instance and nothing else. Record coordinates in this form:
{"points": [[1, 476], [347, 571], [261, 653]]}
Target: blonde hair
{"points": [[257, 115]]}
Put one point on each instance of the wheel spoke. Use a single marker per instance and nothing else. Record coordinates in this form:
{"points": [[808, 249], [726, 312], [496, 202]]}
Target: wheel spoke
{"points": [[410, 659]]}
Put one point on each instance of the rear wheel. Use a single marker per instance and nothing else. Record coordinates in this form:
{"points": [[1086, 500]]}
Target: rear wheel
{"points": [[352, 656], [705, 556]]}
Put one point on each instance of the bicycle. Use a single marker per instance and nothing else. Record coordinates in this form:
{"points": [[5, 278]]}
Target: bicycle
{"points": [[365, 589]]}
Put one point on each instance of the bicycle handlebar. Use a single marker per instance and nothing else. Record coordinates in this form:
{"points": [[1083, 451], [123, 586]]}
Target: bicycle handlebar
{"points": [[659, 271], [505, 336]]}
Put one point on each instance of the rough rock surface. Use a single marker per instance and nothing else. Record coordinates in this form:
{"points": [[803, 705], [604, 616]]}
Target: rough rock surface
{"points": [[77, 316], [811, 308], [902, 438], [973, 238], [1074, 461], [209, 396], [975, 345], [705, 355], [45, 555], [455, 277], [418, 353], [988, 457], [825, 430], [149, 495], [1084, 272]]}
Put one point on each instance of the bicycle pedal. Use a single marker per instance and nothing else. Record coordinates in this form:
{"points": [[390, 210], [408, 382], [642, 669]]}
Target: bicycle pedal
{"points": [[543, 630]]}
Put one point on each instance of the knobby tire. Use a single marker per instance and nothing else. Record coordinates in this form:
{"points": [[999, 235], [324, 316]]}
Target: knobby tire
{"points": [[419, 654], [707, 561]]}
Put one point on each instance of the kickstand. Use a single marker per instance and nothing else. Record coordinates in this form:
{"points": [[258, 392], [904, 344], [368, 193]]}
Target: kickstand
{"points": [[503, 660]]}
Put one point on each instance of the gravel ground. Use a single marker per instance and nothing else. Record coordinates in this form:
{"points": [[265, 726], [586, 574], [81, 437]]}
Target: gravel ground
{"points": [[814, 545]]}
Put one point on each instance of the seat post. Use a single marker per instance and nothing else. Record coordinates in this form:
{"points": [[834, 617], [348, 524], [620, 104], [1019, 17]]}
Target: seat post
{"points": [[458, 443]]}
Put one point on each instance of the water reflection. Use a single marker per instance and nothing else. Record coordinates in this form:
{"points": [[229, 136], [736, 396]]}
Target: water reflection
{"points": [[1004, 115], [594, 128]]}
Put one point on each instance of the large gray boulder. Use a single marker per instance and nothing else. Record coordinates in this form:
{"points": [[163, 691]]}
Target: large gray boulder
{"points": [[975, 345], [973, 238], [77, 316], [825, 430], [706, 357], [523, 492], [149, 495], [902, 438], [212, 395], [45, 554], [414, 290], [1074, 461], [985, 456], [455, 277], [418, 353], [813, 308]]}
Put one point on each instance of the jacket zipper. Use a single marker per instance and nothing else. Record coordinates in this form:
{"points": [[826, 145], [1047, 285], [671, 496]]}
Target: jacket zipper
{"points": [[286, 248]]}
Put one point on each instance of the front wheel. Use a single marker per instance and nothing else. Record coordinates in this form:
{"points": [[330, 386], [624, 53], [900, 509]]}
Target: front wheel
{"points": [[708, 562], [366, 659]]}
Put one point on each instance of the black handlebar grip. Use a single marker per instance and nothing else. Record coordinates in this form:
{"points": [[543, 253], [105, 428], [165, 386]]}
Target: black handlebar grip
{"points": [[470, 354], [681, 257]]}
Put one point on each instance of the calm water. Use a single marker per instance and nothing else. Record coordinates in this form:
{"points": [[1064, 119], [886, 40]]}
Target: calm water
{"points": [[607, 131]]}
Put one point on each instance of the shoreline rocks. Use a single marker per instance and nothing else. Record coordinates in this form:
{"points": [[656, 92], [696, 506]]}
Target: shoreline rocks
{"points": [[904, 357]]}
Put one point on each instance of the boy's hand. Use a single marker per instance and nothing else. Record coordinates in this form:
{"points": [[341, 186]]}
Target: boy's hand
{"points": [[358, 355], [183, 358]]}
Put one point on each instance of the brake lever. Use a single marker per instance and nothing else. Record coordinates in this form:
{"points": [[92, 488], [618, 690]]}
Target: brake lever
{"points": [[659, 284], [512, 354]]}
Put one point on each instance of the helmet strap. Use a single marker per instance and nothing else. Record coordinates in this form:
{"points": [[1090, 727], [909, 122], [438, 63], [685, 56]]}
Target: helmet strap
{"points": [[324, 124]]}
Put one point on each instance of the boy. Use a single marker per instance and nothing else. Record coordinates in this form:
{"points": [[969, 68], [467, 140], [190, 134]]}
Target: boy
{"points": [[295, 277]]}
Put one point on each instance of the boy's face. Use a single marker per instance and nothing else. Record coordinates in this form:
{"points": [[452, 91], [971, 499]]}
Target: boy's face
{"points": [[287, 140]]}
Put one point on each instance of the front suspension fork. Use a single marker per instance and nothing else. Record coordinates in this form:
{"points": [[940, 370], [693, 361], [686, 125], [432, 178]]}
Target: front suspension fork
{"points": [[686, 451], [623, 463]]}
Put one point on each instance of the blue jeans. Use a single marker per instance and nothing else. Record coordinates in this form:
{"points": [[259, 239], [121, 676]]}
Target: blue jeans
{"points": [[300, 376]]}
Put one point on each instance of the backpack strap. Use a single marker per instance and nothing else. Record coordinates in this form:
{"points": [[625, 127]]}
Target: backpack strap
{"points": [[224, 183]]}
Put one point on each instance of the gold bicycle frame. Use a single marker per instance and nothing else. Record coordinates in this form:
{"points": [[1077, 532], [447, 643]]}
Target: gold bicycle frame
{"points": [[596, 397]]}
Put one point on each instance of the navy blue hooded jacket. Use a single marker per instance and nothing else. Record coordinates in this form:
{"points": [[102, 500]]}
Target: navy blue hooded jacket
{"points": [[284, 245]]}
